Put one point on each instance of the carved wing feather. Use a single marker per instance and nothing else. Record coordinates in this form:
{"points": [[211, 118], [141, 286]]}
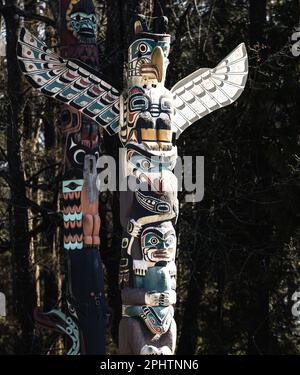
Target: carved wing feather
{"points": [[69, 81], [206, 90]]}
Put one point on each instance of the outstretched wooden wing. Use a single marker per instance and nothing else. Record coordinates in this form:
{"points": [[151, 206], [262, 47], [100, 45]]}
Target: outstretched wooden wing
{"points": [[69, 81], [206, 90]]}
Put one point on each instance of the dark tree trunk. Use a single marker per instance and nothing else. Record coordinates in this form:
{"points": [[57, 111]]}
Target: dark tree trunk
{"points": [[189, 332], [160, 8], [187, 342], [119, 14], [257, 13], [258, 309], [23, 288], [259, 330], [50, 203]]}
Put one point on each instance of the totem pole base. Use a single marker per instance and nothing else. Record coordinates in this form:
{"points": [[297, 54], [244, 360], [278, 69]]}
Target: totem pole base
{"points": [[138, 340]]}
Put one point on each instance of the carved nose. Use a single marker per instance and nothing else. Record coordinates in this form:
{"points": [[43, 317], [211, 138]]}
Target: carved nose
{"points": [[157, 58]]}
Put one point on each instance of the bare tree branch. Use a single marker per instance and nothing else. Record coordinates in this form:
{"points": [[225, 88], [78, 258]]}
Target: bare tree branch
{"points": [[26, 14]]}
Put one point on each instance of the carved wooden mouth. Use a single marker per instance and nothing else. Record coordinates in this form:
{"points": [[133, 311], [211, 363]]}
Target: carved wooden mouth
{"points": [[87, 31]]}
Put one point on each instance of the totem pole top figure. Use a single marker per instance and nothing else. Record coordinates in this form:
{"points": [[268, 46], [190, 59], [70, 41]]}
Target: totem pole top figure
{"points": [[146, 102], [167, 113], [148, 53], [81, 19]]}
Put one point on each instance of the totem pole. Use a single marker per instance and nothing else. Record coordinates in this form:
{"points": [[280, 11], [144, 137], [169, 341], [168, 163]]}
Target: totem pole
{"points": [[81, 222], [148, 118]]}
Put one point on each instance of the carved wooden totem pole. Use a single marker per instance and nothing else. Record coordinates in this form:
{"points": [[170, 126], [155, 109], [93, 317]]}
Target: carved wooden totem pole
{"points": [[85, 325], [148, 118]]}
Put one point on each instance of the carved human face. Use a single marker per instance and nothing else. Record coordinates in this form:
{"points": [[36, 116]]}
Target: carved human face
{"points": [[159, 243]]}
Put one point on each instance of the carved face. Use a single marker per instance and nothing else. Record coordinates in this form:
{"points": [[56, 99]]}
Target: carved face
{"points": [[83, 24], [148, 60], [159, 243], [81, 19], [139, 162], [154, 173], [76, 149], [149, 105], [149, 112]]}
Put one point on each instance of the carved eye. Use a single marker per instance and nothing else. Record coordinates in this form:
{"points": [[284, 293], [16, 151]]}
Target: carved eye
{"points": [[154, 241], [146, 164], [93, 18], [78, 18], [143, 48]]}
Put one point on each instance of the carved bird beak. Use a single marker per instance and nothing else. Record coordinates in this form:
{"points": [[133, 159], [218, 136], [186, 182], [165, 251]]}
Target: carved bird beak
{"points": [[157, 59]]}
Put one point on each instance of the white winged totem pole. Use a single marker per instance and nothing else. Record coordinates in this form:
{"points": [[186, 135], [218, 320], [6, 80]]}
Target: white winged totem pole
{"points": [[148, 119]]}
